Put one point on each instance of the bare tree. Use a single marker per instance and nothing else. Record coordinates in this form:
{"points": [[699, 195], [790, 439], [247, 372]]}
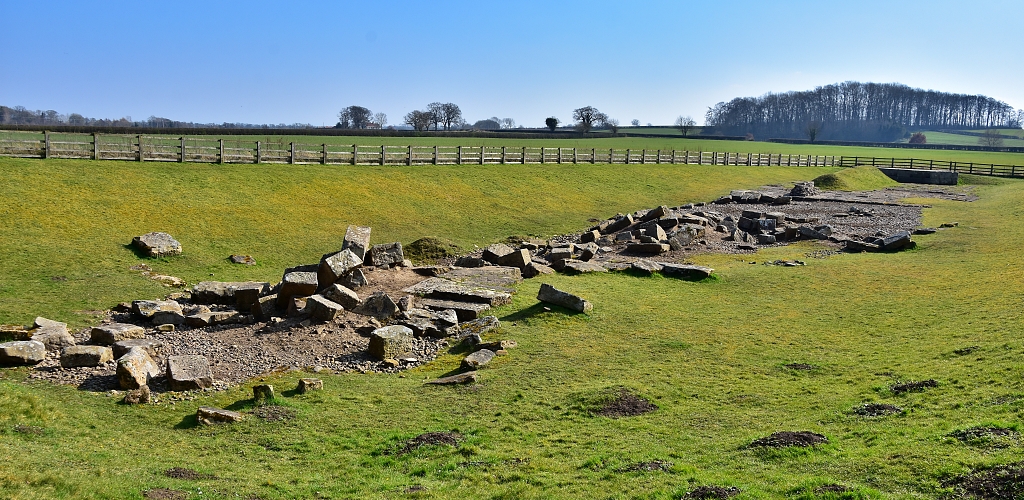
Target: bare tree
{"points": [[508, 123], [436, 113], [612, 124], [552, 123], [813, 130], [450, 114], [685, 124], [419, 120], [588, 117], [354, 117], [991, 138], [380, 119], [634, 122]]}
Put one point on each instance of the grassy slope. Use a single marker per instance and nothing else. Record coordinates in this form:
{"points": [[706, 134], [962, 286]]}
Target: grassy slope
{"points": [[709, 354], [855, 179], [965, 140], [72, 219]]}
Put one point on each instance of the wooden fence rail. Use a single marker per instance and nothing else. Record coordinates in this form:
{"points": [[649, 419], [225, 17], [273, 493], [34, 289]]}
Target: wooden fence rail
{"points": [[204, 150]]}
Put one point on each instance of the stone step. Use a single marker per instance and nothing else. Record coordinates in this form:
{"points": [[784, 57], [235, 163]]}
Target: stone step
{"points": [[440, 288], [466, 311]]}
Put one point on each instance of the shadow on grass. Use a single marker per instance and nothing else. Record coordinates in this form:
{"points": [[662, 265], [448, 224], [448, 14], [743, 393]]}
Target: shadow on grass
{"points": [[190, 421], [539, 308], [137, 251]]}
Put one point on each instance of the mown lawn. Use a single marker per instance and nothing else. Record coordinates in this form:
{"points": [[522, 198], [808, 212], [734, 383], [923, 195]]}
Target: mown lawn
{"points": [[710, 354]]}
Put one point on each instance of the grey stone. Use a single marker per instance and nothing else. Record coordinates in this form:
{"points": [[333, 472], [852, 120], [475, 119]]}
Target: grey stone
{"points": [[263, 392], [336, 265], [115, 332], [442, 288], [157, 244], [765, 239], [925, 230], [136, 368], [53, 334], [322, 308], [386, 255], [779, 217], [151, 346], [648, 239], [804, 189], [808, 232], [148, 308], [686, 271], [357, 239], [189, 373], [168, 318], [825, 230], [265, 308], [536, 269], [517, 258], [655, 213], [861, 246], [222, 292], [558, 255], [624, 236], [207, 415], [648, 247], [477, 359], [590, 236], [567, 300], [85, 355], [478, 327], [243, 259], [212, 318], [581, 267], [645, 267], [655, 231], [896, 241], [464, 311], [379, 305], [353, 280], [494, 253], [468, 261], [621, 222], [461, 378], [391, 342], [22, 352], [296, 284], [309, 385], [139, 396], [343, 296]]}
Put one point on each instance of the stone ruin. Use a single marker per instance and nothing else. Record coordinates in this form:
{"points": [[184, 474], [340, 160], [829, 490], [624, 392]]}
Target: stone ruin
{"points": [[422, 309]]}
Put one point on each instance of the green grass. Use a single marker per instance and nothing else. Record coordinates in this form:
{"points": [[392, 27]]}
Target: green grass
{"points": [[966, 140], [854, 179], [710, 354]]}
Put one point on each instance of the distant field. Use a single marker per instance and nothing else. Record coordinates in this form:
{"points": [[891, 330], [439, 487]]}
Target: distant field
{"points": [[966, 140]]}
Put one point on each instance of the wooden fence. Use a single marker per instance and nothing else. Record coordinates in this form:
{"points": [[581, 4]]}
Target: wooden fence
{"points": [[204, 150]]}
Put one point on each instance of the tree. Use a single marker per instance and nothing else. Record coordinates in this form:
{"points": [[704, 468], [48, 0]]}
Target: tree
{"points": [[507, 123], [813, 130], [354, 117], [612, 124], [491, 124], [685, 124], [552, 123], [380, 119], [450, 115], [635, 122], [991, 138], [419, 120], [918, 138], [588, 117]]}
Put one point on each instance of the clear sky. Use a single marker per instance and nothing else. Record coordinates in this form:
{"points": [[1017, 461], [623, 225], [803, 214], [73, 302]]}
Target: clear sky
{"points": [[296, 61]]}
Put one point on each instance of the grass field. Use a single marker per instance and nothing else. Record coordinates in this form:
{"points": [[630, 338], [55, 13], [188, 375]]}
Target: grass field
{"points": [[711, 355], [965, 140]]}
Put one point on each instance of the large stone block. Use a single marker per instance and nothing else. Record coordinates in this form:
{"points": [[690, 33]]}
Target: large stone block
{"points": [[85, 355], [567, 300], [379, 305], [386, 255], [517, 258], [391, 342], [296, 284], [322, 308], [357, 239], [207, 415], [655, 213], [225, 292], [115, 332], [148, 308], [157, 244], [189, 372], [265, 308], [494, 253], [22, 352], [621, 222], [151, 346], [686, 271], [477, 359], [343, 296], [336, 265], [648, 247], [136, 369], [201, 320], [53, 334]]}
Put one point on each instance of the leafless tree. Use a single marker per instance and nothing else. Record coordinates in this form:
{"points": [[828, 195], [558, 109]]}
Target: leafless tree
{"points": [[588, 117], [508, 123], [634, 122], [991, 138], [380, 119], [685, 124], [419, 120], [448, 114], [612, 125], [813, 130]]}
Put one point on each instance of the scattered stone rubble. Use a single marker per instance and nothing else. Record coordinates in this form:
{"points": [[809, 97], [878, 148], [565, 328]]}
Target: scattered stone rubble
{"points": [[366, 308]]}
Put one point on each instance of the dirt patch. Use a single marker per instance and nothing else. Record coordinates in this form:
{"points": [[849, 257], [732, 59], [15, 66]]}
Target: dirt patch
{"points": [[918, 386], [876, 410], [784, 439], [430, 439], [625, 404], [963, 351], [800, 366], [274, 413], [1002, 482], [164, 494], [712, 492], [993, 437], [189, 474], [31, 430], [652, 466]]}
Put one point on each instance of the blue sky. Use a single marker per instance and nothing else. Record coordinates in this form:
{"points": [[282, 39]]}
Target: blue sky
{"points": [[285, 62]]}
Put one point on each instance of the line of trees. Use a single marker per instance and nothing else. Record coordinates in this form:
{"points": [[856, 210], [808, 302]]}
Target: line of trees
{"points": [[19, 115], [858, 111]]}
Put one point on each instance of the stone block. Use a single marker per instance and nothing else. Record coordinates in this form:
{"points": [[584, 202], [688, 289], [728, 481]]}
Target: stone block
{"points": [[296, 284], [391, 342], [343, 296], [322, 308], [517, 258], [357, 239], [189, 373], [494, 253], [115, 332], [136, 368], [265, 308], [478, 359], [536, 269], [379, 305], [148, 308], [207, 415], [85, 355], [386, 255], [309, 385], [157, 244], [654, 248], [590, 236], [567, 300], [354, 279], [224, 292], [621, 222], [263, 393], [461, 378], [22, 353], [656, 213], [337, 265], [212, 318], [151, 346], [686, 271]]}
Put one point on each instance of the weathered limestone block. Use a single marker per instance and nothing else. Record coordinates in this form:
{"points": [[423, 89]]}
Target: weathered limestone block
{"points": [[386, 255], [379, 305], [189, 372], [207, 415], [461, 378], [494, 253], [296, 284], [309, 385], [357, 239], [343, 296], [53, 334], [686, 271], [157, 244], [517, 258], [478, 359], [263, 392], [322, 308], [557, 297], [336, 265], [115, 332], [85, 355], [225, 292], [151, 346], [136, 369], [391, 342], [212, 318], [22, 352]]}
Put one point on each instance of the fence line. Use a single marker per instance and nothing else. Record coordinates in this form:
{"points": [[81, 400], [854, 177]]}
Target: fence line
{"points": [[203, 150]]}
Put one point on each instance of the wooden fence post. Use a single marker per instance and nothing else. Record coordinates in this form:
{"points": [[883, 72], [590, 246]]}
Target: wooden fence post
{"points": [[383, 155], [593, 156], [139, 137], [181, 154], [542, 154], [96, 146], [559, 155], [574, 155], [409, 160], [291, 154], [323, 159], [483, 154], [628, 154], [458, 155], [643, 156], [522, 159], [503, 155], [46, 144], [220, 155], [435, 155]]}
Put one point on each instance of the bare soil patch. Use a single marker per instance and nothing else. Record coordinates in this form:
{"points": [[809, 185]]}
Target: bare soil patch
{"points": [[784, 439], [652, 466], [991, 437], [164, 494], [800, 366], [876, 409], [430, 439], [28, 429], [963, 351], [625, 404], [712, 493], [1002, 482], [189, 474], [918, 386], [274, 413]]}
